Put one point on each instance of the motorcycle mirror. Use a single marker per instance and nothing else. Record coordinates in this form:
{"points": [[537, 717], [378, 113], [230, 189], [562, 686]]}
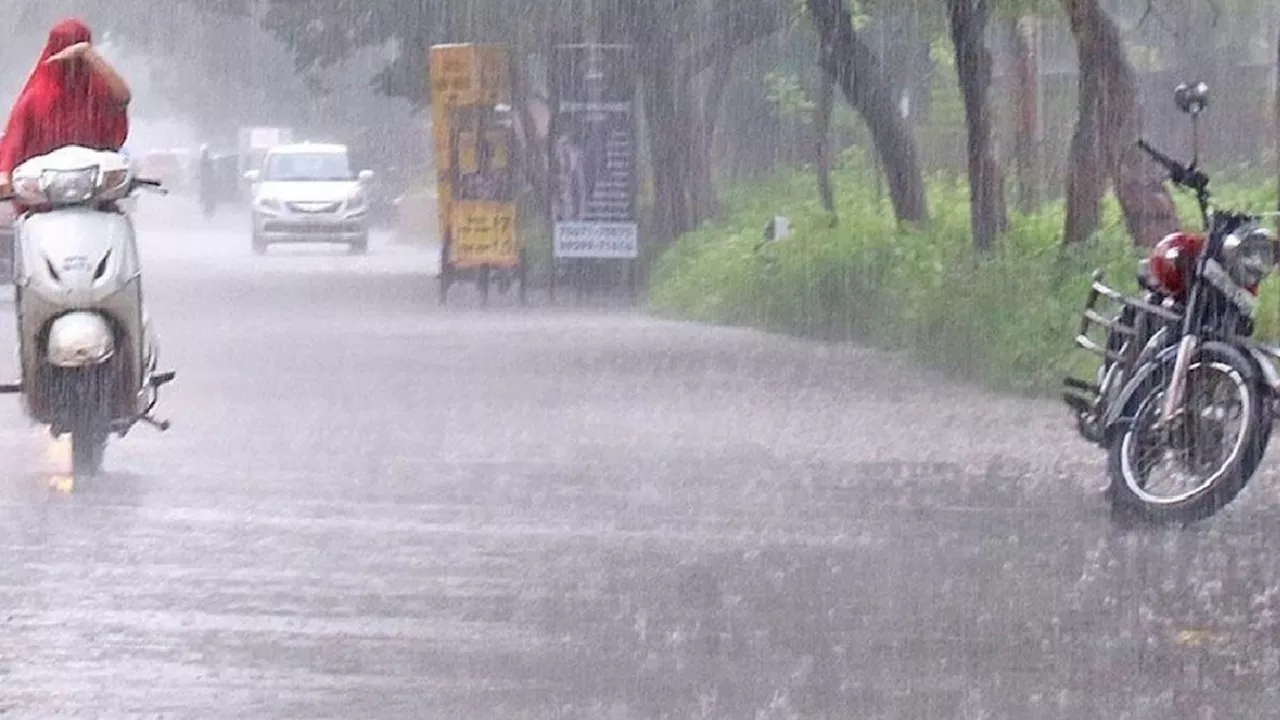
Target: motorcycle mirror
{"points": [[1192, 99]]}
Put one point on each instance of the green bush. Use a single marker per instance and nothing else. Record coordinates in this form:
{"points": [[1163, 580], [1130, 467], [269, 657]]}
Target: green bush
{"points": [[1006, 320]]}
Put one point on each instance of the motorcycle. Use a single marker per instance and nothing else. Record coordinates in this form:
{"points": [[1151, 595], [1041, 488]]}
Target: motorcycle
{"points": [[1198, 336], [88, 352]]}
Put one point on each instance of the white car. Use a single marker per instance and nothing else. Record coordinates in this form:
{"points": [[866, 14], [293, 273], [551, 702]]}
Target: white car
{"points": [[306, 193]]}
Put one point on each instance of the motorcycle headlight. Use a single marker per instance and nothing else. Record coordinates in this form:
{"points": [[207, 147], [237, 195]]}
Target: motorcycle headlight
{"points": [[69, 186], [1251, 258]]}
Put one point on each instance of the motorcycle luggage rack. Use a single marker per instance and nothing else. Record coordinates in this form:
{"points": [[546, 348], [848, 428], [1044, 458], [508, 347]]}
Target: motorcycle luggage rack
{"points": [[1083, 395], [1091, 318]]}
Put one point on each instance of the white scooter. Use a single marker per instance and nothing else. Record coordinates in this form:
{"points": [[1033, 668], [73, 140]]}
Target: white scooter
{"points": [[87, 350]]}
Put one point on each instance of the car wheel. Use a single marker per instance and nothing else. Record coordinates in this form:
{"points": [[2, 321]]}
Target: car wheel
{"points": [[360, 247], [259, 246]]}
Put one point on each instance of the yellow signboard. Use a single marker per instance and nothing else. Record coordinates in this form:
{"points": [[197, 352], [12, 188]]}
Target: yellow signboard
{"points": [[483, 234], [469, 75], [474, 178]]}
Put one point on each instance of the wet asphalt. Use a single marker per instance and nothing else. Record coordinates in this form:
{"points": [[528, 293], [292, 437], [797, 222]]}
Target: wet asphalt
{"points": [[373, 507]]}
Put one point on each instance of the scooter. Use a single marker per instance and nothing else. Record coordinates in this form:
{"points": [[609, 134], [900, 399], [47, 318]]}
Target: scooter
{"points": [[87, 350]]}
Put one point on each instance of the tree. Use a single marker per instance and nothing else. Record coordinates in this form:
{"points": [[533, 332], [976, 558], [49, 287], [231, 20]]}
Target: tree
{"points": [[854, 67], [1023, 30], [822, 142], [675, 42], [1107, 129], [987, 217]]}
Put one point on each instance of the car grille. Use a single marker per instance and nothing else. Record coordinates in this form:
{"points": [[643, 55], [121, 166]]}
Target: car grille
{"points": [[313, 208]]}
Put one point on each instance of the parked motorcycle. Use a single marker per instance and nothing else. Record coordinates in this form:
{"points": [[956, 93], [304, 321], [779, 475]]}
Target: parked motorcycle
{"points": [[88, 352], [1198, 369]]}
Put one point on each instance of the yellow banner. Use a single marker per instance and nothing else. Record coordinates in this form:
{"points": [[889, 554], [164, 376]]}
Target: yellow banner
{"points": [[473, 76], [484, 234], [470, 74]]}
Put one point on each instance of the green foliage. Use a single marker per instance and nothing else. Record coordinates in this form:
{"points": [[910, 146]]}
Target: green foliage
{"points": [[1006, 321], [789, 97]]}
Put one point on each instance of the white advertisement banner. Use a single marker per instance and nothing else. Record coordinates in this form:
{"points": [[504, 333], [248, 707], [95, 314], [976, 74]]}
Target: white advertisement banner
{"points": [[597, 240]]}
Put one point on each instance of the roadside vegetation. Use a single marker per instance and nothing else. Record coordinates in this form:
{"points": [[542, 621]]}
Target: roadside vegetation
{"points": [[1005, 318]]}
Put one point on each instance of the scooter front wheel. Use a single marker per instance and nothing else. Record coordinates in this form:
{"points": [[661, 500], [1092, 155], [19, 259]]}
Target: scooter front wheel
{"points": [[87, 450]]}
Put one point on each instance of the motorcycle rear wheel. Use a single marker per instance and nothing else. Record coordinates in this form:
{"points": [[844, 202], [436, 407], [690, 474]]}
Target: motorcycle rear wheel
{"points": [[1128, 494]]}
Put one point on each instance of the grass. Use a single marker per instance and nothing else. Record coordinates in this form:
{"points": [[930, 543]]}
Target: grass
{"points": [[1005, 321]]}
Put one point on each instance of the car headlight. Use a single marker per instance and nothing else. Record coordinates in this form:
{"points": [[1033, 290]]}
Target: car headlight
{"points": [[268, 205], [1250, 259]]}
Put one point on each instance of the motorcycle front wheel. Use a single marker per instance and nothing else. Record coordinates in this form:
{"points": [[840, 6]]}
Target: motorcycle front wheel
{"points": [[1218, 439]]}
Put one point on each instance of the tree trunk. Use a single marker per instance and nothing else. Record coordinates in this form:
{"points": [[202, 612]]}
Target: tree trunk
{"points": [[822, 142], [680, 129], [987, 219], [1109, 93], [1027, 128], [1086, 180], [532, 151], [854, 67], [706, 204], [668, 151]]}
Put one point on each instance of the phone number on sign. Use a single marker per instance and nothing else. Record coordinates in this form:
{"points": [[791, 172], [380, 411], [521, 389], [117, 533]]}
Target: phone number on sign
{"points": [[610, 245]]}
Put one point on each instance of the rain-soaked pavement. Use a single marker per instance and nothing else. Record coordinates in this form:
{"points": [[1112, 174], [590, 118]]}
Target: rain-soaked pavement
{"points": [[372, 507]]}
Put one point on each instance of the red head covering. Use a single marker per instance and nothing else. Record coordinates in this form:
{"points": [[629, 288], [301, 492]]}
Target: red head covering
{"points": [[62, 104]]}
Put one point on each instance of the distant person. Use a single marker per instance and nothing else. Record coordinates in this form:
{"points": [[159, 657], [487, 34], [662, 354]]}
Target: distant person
{"points": [[72, 97], [208, 182]]}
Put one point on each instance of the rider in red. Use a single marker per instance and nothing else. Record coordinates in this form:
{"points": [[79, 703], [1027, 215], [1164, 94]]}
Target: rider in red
{"points": [[73, 97]]}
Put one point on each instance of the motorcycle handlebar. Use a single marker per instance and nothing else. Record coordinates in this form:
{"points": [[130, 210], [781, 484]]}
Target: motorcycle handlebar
{"points": [[1188, 177]]}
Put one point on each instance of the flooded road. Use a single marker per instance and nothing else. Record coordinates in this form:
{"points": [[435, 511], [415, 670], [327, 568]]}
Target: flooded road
{"points": [[369, 506]]}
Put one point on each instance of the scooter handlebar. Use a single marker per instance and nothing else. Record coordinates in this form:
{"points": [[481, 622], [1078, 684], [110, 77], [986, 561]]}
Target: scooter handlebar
{"points": [[156, 185]]}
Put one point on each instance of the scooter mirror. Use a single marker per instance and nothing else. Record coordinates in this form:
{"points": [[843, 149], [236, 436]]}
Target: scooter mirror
{"points": [[1192, 99]]}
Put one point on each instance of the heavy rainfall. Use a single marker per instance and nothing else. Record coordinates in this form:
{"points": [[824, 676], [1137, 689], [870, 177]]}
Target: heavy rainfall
{"points": [[620, 359]]}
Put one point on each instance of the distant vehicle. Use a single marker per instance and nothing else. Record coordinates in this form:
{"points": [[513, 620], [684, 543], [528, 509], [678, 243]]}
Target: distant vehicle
{"points": [[307, 193], [254, 142], [167, 166]]}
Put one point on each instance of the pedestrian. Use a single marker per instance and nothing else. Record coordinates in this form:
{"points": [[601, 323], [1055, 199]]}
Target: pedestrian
{"points": [[208, 183]]}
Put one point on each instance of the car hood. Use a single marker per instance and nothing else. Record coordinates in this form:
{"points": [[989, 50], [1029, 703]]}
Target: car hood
{"points": [[307, 191]]}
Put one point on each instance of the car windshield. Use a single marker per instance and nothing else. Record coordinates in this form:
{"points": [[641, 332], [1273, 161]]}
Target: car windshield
{"points": [[319, 167]]}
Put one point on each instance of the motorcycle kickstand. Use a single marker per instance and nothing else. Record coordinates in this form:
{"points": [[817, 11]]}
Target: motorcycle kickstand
{"points": [[161, 425]]}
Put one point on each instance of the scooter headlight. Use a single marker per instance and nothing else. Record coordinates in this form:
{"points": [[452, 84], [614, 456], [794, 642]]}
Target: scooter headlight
{"points": [[1251, 258], [69, 186]]}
